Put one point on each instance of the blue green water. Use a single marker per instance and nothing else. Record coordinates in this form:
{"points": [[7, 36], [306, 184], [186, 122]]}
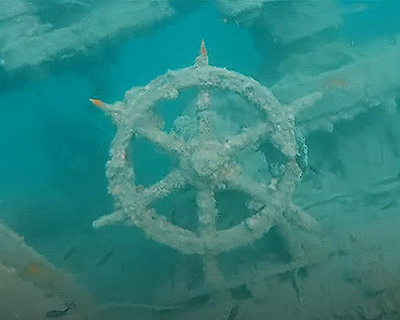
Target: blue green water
{"points": [[54, 144]]}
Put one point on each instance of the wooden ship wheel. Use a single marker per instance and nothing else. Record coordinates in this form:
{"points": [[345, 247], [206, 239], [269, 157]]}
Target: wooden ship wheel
{"points": [[207, 164]]}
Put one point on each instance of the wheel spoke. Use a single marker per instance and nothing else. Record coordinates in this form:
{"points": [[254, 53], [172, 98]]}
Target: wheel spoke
{"points": [[303, 220], [253, 188], [111, 218], [248, 138], [204, 115], [166, 141], [207, 212], [174, 180], [212, 275]]}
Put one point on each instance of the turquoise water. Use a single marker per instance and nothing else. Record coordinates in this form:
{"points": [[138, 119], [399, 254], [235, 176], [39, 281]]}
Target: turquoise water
{"points": [[55, 146]]}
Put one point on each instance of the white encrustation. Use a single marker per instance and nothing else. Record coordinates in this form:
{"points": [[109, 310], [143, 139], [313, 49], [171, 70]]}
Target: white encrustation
{"points": [[207, 164]]}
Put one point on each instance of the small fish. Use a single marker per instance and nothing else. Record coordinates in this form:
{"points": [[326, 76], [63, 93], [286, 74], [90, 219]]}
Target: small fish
{"points": [[389, 205], [105, 258], [387, 181], [234, 313], [55, 313], [70, 252], [314, 170]]}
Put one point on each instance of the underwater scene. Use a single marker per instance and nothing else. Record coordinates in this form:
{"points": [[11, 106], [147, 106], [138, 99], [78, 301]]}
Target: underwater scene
{"points": [[200, 160]]}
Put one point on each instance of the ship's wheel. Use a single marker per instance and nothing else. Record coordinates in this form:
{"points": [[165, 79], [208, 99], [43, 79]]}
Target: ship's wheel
{"points": [[205, 163]]}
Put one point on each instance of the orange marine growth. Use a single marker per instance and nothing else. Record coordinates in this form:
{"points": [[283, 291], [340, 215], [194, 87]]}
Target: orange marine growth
{"points": [[96, 102], [34, 269], [203, 49]]}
